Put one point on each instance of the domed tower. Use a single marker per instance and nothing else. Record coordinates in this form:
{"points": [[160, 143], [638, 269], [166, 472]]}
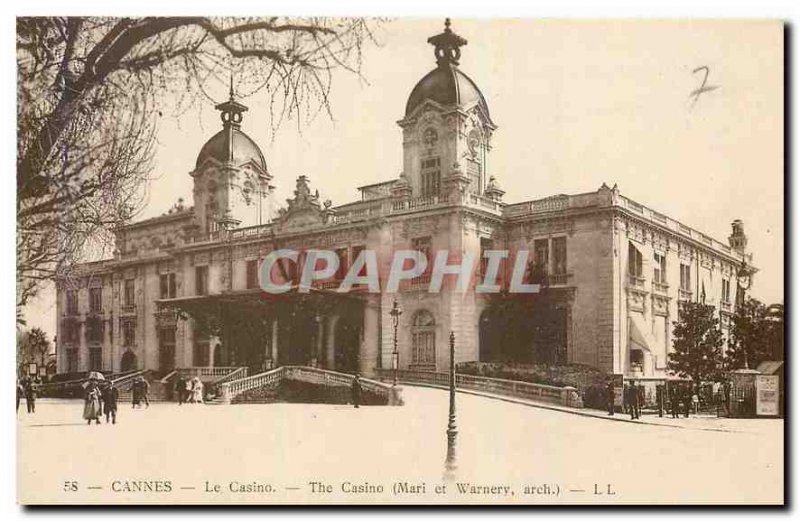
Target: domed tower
{"points": [[447, 128], [231, 180]]}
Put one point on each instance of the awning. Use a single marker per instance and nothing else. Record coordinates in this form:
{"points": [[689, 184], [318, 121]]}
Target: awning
{"points": [[639, 333]]}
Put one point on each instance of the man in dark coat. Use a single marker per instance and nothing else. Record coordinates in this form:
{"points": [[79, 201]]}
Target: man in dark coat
{"points": [[639, 399], [110, 398], [136, 393], [633, 401], [20, 392], [610, 397], [674, 400], [355, 391], [180, 390], [31, 390], [687, 400]]}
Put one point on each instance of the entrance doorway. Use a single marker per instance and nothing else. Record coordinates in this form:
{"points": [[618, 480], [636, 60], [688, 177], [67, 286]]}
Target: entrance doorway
{"points": [[128, 362], [348, 339]]}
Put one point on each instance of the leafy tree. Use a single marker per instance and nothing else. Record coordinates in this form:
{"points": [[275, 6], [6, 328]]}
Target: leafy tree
{"points": [[756, 335], [697, 343], [33, 346], [90, 91]]}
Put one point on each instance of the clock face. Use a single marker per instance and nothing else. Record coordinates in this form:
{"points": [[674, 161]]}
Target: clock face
{"points": [[430, 137], [473, 141]]}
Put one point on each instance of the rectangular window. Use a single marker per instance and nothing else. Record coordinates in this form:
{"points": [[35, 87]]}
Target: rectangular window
{"points": [[634, 261], [726, 290], [95, 300], [72, 332], [355, 251], [686, 277], [96, 359], [424, 245], [128, 333], [129, 292], [72, 360], [167, 285], [252, 273], [559, 255], [94, 330], [201, 280], [659, 268], [486, 244], [431, 176], [341, 271], [541, 260], [72, 302]]}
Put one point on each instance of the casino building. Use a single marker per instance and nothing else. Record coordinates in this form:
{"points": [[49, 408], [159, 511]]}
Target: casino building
{"points": [[182, 289]]}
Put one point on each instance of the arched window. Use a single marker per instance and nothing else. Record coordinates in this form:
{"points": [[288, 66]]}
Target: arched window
{"points": [[423, 345]]}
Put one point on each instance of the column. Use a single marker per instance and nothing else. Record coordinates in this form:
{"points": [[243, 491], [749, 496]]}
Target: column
{"points": [[275, 342], [213, 345], [318, 353], [370, 336], [83, 348], [330, 348]]}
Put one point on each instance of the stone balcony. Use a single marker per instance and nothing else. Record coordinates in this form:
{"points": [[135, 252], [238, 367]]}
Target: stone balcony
{"points": [[660, 288]]}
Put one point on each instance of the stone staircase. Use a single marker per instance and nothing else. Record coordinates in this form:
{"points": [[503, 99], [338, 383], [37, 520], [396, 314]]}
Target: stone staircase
{"points": [[158, 391]]}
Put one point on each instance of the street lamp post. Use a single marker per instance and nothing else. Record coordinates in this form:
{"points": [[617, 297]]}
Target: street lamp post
{"points": [[395, 313], [450, 461], [743, 280]]}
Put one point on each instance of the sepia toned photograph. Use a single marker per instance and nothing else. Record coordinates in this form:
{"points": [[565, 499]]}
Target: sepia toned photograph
{"points": [[399, 261]]}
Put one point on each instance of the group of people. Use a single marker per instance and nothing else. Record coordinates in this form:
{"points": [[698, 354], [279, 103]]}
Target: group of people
{"points": [[633, 398], [100, 398], [685, 397], [28, 387], [189, 391]]}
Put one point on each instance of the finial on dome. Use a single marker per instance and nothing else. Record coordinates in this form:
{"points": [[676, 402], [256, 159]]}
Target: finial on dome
{"points": [[447, 46], [231, 110]]}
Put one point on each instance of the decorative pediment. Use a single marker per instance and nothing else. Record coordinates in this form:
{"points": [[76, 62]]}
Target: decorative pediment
{"points": [[304, 210]]}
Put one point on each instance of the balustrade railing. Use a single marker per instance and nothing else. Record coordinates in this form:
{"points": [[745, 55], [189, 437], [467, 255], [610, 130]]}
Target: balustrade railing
{"points": [[566, 396], [207, 371], [233, 375], [229, 390]]}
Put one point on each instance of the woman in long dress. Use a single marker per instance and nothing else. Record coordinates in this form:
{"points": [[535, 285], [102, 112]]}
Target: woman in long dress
{"points": [[91, 404], [197, 390]]}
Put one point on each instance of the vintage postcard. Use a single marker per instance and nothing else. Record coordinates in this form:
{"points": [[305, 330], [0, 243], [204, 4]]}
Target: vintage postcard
{"points": [[326, 261]]}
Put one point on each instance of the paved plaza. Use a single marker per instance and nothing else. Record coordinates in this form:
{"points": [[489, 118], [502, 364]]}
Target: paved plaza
{"points": [[509, 452]]}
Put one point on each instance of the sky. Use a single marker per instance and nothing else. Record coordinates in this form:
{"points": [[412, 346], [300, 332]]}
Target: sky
{"points": [[577, 103]]}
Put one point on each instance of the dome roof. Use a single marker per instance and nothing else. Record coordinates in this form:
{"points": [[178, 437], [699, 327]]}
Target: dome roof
{"points": [[231, 145], [446, 85]]}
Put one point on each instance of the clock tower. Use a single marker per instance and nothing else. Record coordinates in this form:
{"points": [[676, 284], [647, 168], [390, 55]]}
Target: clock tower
{"points": [[447, 128]]}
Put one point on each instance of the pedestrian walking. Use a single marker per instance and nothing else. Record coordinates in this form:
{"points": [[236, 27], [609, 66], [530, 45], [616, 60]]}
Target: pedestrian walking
{"points": [[610, 397], [633, 401], [687, 399], [145, 391], [110, 397], [180, 390], [639, 399], [197, 390], [20, 393], [355, 391], [31, 391], [674, 401], [91, 404], [136, 393]]}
